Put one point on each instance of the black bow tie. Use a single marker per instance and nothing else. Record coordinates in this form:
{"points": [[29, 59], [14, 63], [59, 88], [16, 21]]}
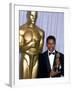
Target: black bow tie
{"points": [[52, 53]]}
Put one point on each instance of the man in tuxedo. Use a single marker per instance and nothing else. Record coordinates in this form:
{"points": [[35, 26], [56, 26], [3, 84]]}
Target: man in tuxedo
{"points": [[51, 62]]}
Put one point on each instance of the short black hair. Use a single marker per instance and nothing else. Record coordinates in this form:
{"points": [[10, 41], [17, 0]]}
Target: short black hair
{"points": [[51, 37]]}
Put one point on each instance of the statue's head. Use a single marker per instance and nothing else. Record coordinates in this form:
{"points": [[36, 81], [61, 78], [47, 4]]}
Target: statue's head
{"points": [[31, 16]]}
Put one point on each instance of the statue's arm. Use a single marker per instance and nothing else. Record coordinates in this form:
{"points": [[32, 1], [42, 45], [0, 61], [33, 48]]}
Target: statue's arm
{"points": [[28, 45], [41, 41], [22, 44]]}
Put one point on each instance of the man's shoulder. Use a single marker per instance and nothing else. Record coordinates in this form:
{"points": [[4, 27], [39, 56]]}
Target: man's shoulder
{"points": [[44, 53], [42, 56], [61, 54]]}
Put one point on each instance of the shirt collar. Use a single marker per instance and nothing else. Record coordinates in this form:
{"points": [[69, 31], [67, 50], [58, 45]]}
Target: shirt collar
{"points": [[52, 52]]}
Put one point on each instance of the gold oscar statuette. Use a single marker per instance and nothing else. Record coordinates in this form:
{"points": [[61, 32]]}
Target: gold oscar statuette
{"points": [[31, 39]]}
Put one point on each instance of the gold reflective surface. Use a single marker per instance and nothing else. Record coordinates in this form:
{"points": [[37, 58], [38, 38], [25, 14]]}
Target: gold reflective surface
{"points": [[31, 39]]}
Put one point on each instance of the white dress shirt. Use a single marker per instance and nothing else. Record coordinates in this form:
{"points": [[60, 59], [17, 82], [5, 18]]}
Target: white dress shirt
{"points": [[51, 58]]}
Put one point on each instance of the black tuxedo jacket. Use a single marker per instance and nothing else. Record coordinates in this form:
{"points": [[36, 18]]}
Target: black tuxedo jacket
{"points": [[44, 67]]}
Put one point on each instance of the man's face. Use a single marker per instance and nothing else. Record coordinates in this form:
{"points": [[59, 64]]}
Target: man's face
{"points": [[51, 45]]}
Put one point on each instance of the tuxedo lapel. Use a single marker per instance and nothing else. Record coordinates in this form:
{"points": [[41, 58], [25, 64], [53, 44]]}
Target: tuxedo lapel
{"points": [[48, 62]]}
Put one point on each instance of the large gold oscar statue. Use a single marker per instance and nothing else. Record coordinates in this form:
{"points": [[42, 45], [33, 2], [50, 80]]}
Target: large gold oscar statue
{"points": [[31, 39]]}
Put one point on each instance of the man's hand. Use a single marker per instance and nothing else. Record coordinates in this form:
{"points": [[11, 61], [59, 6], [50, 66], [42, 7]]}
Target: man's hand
{"points": [[54, 73]]}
